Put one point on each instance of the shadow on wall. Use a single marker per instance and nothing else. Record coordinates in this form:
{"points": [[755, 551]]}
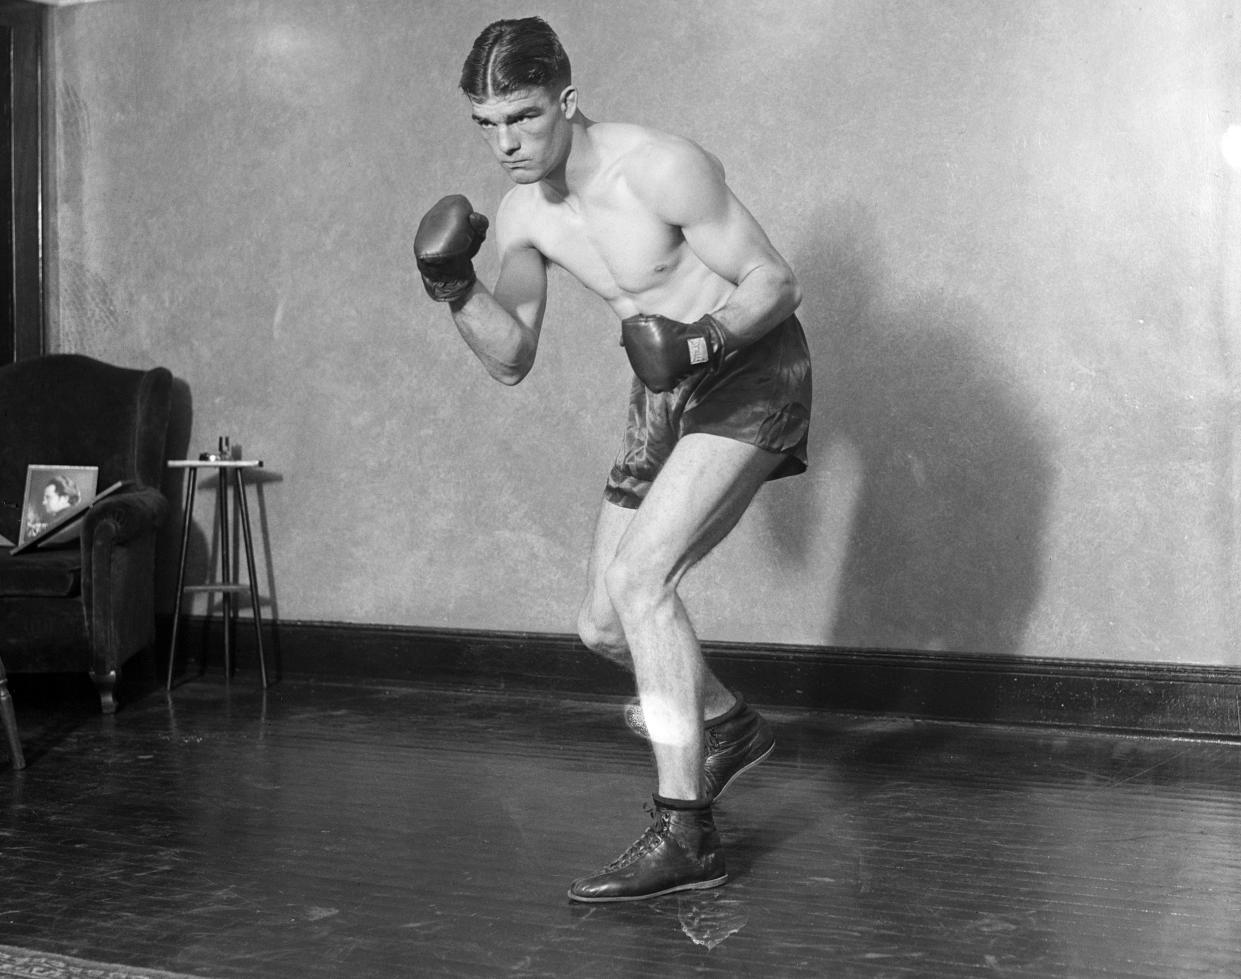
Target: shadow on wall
{"points": [[944, 545]]}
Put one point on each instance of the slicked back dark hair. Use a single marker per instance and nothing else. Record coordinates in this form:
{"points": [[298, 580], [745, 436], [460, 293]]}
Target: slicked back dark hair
{"points": [[513, 55]]}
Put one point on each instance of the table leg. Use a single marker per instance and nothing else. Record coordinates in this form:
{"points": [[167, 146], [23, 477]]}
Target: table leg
{"points": [[248, 540], [226, 569]]}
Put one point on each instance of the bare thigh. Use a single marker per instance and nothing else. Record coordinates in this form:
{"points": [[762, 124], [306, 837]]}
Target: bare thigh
{"points": [[704, 488], [697, 499]]}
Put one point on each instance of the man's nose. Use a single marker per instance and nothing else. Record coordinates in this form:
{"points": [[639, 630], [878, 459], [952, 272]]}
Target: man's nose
{"points": [[507, 140]]}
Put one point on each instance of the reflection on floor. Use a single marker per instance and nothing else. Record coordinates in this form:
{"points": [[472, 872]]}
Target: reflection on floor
{"points": [[331, 830]]}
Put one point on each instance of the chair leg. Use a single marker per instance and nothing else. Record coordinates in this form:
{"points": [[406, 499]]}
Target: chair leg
{"points": [[105, 686], [9, 717]]}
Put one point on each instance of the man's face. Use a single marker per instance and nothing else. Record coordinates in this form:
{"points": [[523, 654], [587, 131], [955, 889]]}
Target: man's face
{"points": [[529, 131], [53, 502]]}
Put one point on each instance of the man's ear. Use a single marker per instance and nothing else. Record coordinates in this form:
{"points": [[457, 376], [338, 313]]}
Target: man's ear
{"points": [[568, 102]]}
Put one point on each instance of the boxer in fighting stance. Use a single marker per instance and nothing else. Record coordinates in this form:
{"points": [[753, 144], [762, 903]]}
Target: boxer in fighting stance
{"points": [[720, 400]]}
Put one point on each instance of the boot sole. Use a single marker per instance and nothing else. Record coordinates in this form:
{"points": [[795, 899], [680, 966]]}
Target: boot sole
{"points": [[701, 885], [745, 768]]}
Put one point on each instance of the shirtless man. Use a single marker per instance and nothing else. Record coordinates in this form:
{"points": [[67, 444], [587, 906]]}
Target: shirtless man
{"points": [[720, 399]]}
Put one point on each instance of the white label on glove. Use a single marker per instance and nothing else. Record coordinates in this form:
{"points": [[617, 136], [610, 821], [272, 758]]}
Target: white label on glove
{"points": [[698, 350]]}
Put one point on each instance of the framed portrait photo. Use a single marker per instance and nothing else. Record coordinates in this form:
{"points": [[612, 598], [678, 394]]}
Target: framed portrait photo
{"points": [[54, 497]]}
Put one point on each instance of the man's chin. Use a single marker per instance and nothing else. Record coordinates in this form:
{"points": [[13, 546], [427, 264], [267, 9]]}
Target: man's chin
{"points": [[521, 175]]}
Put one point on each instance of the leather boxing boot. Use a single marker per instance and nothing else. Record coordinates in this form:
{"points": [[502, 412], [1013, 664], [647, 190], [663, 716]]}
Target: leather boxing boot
{"points": [[735, 742], [680, 851]]}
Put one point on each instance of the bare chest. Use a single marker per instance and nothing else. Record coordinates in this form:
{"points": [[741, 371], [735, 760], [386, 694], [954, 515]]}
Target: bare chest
{"points": [[616, 249]]}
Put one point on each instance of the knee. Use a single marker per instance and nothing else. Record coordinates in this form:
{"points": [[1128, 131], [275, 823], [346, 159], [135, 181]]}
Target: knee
{"points": [[635, 587], [602, 635]]}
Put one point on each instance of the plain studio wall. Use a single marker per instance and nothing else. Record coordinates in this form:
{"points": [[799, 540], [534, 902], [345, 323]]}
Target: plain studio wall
{"points": [[1015, 228]]}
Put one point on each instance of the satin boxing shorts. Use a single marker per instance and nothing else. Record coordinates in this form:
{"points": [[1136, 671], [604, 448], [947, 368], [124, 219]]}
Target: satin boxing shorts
{"points": [[760, 396]]}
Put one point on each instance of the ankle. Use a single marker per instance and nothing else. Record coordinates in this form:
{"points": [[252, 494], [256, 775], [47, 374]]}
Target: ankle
{"points": [[682, 805], [725, 710]]}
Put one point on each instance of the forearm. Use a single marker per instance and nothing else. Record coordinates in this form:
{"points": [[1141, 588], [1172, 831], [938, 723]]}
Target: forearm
{"points": [[504, 346], [663, 351], [765, 297]]}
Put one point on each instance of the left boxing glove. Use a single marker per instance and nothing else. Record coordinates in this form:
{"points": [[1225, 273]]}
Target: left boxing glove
{"points": [[663, 352], [449, 236]]}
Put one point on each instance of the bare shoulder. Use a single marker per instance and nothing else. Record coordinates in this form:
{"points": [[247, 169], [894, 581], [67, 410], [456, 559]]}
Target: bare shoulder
{"points": [[643, 154], [674, 176]]}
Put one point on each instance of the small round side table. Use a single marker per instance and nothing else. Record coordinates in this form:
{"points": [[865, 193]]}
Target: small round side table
{"points": [[229, 470]]}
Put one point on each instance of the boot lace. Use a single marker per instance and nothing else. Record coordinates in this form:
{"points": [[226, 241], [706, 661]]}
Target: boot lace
{"points": [[645, 843]]}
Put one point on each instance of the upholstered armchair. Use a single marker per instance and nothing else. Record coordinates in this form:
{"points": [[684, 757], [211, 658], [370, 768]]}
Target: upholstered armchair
{"points": [[87, 605]]}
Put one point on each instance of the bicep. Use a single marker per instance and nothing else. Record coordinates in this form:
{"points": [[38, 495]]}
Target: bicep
{"points": [[730, 242], [521, 288]]}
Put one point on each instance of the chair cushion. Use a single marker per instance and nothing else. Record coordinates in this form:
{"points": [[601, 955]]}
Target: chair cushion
{"points": [[55, 572]]}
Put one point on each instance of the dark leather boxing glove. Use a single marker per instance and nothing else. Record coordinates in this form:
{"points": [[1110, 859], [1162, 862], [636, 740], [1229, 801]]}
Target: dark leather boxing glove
{"points": [[449, 236], [663, 352]]}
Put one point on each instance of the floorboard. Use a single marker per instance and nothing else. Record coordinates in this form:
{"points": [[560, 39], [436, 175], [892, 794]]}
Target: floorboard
{"points": [[325, 830]]}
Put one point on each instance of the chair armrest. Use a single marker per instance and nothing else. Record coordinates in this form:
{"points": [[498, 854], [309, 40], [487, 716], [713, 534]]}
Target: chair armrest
{"points": [[132, 512]]}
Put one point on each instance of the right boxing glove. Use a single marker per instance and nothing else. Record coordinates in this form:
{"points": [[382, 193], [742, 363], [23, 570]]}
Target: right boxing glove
{"points": [[449, 236]]}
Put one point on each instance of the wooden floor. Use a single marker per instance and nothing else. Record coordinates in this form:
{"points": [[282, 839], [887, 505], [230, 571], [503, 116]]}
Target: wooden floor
{"points": [[357, 831]]}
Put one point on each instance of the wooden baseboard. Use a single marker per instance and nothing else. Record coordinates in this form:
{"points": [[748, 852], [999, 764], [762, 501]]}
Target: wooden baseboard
{"points": [[1097, 695]]}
